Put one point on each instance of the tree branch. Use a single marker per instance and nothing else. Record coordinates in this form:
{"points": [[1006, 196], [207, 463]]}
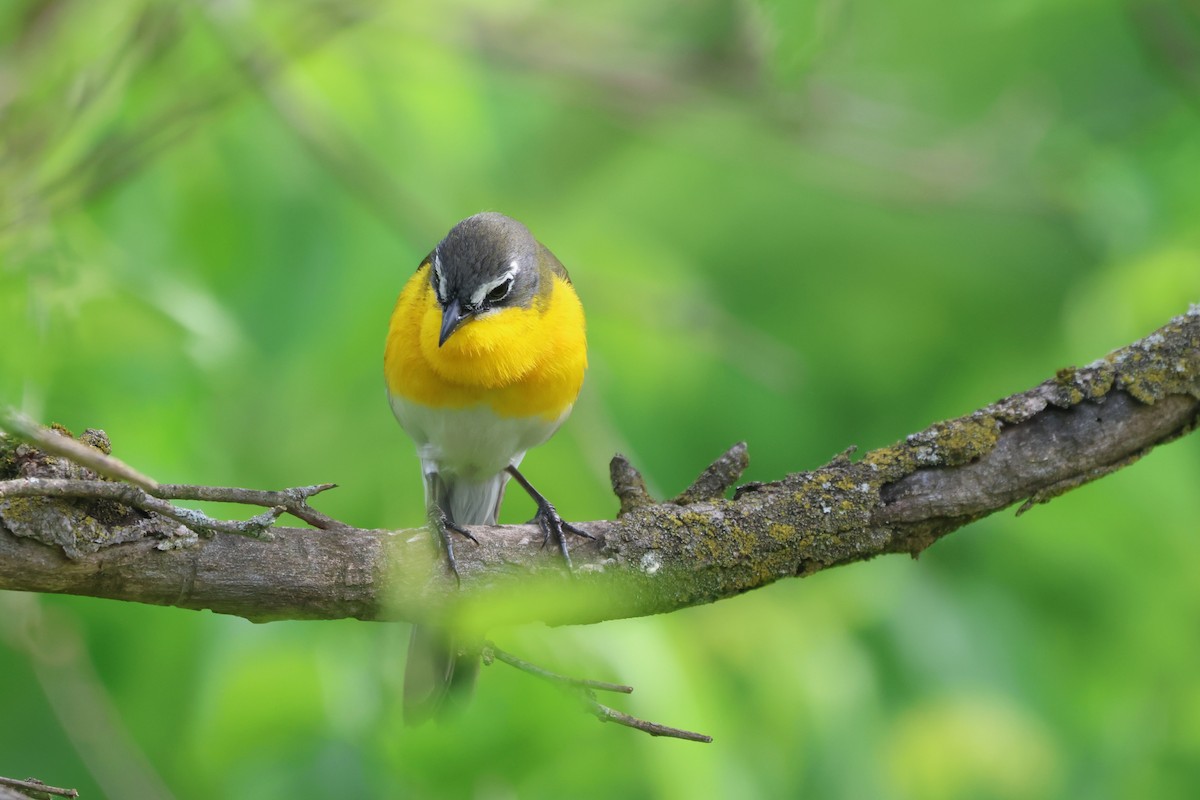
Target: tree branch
{"points": [[656, 557]]}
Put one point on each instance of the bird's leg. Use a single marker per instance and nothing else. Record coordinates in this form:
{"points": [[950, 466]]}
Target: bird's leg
{"points": [[547, 517], [440, 521]]}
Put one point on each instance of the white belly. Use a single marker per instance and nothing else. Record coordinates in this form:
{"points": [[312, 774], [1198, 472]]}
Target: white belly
{"points": [[470, 443]]}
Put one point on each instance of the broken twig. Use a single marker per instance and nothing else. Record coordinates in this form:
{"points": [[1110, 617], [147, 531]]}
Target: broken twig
{"points": [[586, 690]]}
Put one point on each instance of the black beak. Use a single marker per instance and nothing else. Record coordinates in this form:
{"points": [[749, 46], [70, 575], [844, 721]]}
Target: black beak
{"points": [[452, 317]]}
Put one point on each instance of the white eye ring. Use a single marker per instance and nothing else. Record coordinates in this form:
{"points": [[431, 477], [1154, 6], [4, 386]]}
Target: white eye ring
{"points": [[494, 292], [499, 292]]}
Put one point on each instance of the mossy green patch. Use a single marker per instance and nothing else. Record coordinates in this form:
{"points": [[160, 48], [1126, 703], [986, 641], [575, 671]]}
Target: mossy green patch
{"points": [[8, 457]]}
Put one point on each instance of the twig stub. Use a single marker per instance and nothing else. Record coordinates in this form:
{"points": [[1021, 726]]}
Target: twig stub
{"points": [[628, 485], [715, 480]]}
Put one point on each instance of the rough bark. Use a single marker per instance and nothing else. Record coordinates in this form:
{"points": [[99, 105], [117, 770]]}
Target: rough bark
{"points": [[655, 557]]}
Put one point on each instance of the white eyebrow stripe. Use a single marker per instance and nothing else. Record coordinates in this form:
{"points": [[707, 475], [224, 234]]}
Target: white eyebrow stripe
{"points": [[443, 289], [483, 290]]}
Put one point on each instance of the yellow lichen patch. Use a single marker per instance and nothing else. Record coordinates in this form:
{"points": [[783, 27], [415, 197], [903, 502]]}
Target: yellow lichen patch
{"points": [[1065, 379], [967, 438], [1146, 385], [950, 443], [1163, 363], [781, 532], [1090, 383]]}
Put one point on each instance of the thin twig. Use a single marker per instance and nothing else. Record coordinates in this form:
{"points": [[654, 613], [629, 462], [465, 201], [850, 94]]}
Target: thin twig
{"points": [[50, 440], [55, 443], [37, 786], [135, 497], [586, 689], [606, 714], [294, 500], [490, 650]]}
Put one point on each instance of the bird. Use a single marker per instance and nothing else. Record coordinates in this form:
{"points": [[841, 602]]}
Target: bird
{"points": [[486, 354]]}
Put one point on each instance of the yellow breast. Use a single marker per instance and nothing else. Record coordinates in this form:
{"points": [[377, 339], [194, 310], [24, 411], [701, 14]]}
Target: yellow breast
{"points": [[520, 362]]}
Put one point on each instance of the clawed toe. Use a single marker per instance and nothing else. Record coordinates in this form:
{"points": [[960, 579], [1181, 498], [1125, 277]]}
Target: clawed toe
{"points": [[547, 518], [577, 531], [442, 524], [555, 527]]}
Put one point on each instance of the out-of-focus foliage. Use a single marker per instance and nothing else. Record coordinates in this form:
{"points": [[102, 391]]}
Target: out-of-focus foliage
{"points": [[806, 225]]}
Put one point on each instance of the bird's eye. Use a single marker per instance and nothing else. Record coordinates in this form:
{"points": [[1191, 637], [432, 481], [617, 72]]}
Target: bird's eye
{"points": [[500, 291]]}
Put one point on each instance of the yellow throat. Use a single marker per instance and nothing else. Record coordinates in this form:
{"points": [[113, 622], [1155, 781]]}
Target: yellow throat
{"points": [[522, 362]]}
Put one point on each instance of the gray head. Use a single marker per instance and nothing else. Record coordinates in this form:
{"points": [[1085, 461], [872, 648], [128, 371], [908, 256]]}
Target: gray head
{"points": [[486, 262]]}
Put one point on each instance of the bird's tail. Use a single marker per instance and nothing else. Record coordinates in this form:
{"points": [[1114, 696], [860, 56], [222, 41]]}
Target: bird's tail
{"points": [[440, 673]]}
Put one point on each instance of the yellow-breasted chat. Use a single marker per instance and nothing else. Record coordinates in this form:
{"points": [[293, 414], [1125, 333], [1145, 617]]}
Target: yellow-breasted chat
{"points": [[485, 356]]}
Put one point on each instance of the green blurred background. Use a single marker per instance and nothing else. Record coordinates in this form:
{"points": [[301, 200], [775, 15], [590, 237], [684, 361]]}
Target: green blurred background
{"points": [[806, 225]]}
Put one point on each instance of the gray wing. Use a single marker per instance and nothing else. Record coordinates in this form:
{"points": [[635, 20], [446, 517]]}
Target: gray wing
{"points": [[549, 260]]}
